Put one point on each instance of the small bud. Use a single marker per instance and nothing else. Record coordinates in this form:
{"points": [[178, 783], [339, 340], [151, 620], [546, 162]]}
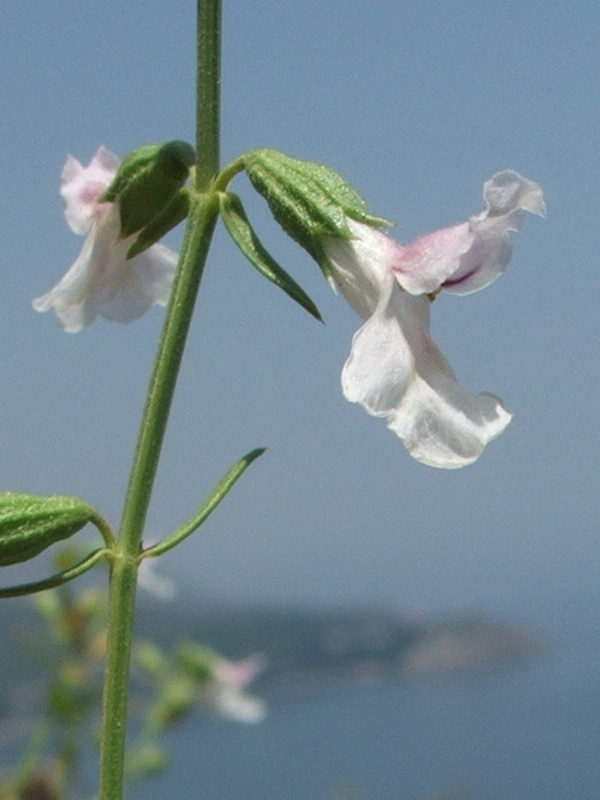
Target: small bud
{"points": [[148, 760], [176, 699], [196, 661], [309, 200], [146, 183], [150, 658], [31, 523]]}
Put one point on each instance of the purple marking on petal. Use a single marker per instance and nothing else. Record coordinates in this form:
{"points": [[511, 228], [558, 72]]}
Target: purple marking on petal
{"points": [[462, 279]]}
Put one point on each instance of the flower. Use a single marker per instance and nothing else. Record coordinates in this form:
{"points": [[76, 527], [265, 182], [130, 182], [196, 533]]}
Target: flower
{"points": [[224, 692], [395, 370], [103, 280]]}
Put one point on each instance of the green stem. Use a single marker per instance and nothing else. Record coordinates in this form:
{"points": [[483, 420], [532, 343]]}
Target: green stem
{"points": [[203, 215], [208, 118]]}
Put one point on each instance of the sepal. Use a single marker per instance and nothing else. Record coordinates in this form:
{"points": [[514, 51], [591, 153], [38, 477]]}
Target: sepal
{"points": [[166, 219], [146, 183], [309, 200], [242, 233], [196, 661], [31, 523]]}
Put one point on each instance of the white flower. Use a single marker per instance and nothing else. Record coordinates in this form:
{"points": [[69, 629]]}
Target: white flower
{"points": [[395, 370], [225, 691], [102, 280]]}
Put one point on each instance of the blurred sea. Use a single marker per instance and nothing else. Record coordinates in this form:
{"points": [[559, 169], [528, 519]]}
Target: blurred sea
{"points": [[525, 732], [530, 732]]}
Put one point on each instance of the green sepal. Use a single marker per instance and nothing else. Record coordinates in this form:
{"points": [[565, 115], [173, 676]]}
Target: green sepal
{"points": [[149, 759], [31, 523], [242, 233], [146, 181], [308, 200], [196, 661], [174, 213]]}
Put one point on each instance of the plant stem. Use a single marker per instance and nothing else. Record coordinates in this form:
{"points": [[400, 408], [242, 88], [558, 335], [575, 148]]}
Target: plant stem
{"points": [[208, 117], [203, 215]]}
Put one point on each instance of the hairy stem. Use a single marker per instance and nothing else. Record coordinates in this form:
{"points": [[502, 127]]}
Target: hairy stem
{"points": [[124, 558]]}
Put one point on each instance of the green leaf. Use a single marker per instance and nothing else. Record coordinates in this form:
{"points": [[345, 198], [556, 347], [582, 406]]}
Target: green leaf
{"points": [[213, 499], [58, 579], [31, 523], [242, 233]]}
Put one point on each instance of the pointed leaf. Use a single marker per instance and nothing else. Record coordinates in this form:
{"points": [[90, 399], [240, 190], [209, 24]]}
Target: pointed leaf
{"points": [[208, 506], [58, 579], [243, 235]]}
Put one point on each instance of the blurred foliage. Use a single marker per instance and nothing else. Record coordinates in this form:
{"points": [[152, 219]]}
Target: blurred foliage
{"points": [[167, 686]]}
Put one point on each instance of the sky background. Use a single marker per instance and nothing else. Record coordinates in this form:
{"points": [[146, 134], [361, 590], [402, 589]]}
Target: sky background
{"points": [[416, 104]]}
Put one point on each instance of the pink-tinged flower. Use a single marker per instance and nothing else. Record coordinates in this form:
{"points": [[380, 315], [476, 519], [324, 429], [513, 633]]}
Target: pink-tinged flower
{"points": [[225, 691], [395, 370], [102, 280]]}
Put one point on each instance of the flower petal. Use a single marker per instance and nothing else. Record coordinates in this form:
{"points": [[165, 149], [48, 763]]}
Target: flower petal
{"points": [[420, 268], [231, 703], [103, 281], [80, 187], [507, 195], [424, 264], [396, 371], [361, 265], [507, 192], [140, 283], [444, 426], [380, 366], [225, 691], [74, 298]]}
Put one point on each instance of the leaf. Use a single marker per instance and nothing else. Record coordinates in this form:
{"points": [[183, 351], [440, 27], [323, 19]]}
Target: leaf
{"points": [[243, 235], [213, 499], [57, 579]]}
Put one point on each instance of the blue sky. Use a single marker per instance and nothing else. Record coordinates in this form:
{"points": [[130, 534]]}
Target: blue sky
{"points": [[416, 105]]}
